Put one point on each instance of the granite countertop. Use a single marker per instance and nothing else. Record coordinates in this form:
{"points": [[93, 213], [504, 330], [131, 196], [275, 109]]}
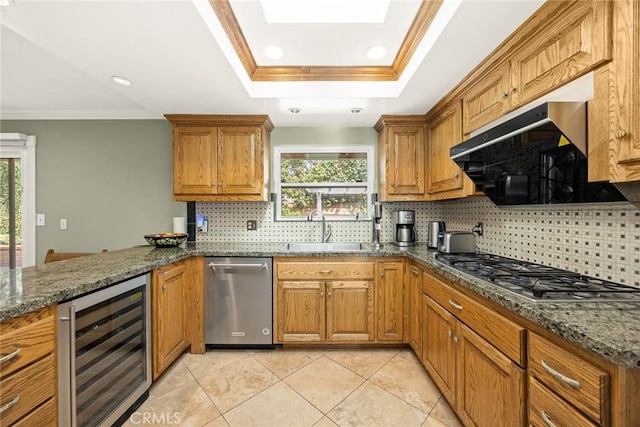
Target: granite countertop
{"points": [[610, 329]]}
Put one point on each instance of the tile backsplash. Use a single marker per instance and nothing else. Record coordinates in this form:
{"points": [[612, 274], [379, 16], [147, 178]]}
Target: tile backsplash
{"points": [[600, 240]]}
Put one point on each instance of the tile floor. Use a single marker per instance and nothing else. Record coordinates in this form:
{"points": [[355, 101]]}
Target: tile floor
{"points": [[296, 387]]}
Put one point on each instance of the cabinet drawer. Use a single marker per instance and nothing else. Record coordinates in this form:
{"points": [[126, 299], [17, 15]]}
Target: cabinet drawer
{"points": [[324, 271], [546, 408], [26, 339], [580, 383], [44, 416], [27, 389], [502, 333]]}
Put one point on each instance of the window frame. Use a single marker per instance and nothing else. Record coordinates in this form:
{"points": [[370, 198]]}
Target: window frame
{"points": [[279, 150]]}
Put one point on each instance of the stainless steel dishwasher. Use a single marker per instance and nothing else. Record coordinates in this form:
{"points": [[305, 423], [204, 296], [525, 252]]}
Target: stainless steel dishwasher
{"points": [[238, 302]]}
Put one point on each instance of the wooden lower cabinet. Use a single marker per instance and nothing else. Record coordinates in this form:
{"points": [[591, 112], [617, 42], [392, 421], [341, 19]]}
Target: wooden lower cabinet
{"points": [[415, 308], [28, 369], [317, 302], [168, 315], [485, 387], [390, 301]]}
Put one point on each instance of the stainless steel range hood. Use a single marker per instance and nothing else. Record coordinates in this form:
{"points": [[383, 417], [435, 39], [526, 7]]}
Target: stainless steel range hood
{"points": [[537, 157]]}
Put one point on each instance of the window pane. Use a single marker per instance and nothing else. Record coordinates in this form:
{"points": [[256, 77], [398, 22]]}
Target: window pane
{"points": [[336, 202], [323, 167]]}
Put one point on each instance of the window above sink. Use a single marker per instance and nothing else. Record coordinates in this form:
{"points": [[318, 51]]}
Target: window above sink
{"points": [[338, 181]]}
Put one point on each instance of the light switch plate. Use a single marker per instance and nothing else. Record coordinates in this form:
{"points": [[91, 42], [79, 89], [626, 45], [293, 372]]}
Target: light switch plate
{"points": [[40, 219], [63, 224]]}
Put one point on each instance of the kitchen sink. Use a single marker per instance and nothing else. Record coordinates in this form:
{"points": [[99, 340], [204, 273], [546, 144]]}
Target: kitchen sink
{"points": [[324, 247]]}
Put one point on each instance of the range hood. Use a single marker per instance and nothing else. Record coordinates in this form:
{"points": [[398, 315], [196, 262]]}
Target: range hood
{"points": [[537, 157]]}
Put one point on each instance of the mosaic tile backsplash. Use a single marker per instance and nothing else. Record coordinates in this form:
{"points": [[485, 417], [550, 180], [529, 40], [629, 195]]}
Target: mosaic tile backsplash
{"points": [[600, 240]]}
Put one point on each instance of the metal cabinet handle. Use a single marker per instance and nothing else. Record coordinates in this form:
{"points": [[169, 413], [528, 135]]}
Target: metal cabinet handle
{"points": [[449, 333], [10, 404], [9, 356], [621, 133], [164, 287], [455, 305], [557, 375], [220, 184], [329, 294], [321, 294], [503, 95], [324, 271], [456, 340], [214, 265], [547, 419]]}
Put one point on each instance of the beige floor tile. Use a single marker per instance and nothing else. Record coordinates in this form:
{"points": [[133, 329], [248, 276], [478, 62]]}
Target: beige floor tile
{"points": [[443, 412], [203, 364], [186, 406], [405, 377], [372, 406], [219, 422], [236, 382], [363, 362], [433, 422], [285, 362], [176, 376], [325, 422], [278, 406], [324, 383]]}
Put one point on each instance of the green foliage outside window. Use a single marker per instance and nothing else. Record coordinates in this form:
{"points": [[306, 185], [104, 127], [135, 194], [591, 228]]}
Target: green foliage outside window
{"points": [[4, 202]]}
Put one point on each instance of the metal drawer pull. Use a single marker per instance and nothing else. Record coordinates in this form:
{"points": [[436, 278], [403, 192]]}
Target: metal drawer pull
{"points": [[557, 375], [455, 305], [324, 271], [547, 419], [214, 266], [9, 356], [10, 404]]}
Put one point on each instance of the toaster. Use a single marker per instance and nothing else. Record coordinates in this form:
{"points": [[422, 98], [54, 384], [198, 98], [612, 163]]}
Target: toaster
{"points": [[457, 242]]}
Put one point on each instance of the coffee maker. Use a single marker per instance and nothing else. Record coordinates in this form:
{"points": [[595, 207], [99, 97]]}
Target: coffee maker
{"points": [[404, 229]]}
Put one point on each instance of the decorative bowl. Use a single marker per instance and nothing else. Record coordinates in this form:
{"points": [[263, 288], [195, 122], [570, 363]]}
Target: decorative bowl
{"points": [[166, 240]]}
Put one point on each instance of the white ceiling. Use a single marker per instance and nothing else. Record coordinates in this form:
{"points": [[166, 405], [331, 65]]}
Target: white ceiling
{"points": [[57, 58]]}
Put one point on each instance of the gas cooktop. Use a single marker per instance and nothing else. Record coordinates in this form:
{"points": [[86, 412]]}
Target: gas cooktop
{"points": [[539, 283]]}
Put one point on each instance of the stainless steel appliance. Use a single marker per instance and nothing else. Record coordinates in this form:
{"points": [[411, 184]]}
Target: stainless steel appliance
{"points": [[457, 242], [104, 354], [539, 283], [434, 228], [377, 216], [238, 302], [538, 157], [404, 228]]}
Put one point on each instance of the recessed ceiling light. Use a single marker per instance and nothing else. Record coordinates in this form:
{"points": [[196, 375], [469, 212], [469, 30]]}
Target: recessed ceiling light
{"points": [[356, 110], [121, 80], [376, 52], [295, 110], [274, 52]]}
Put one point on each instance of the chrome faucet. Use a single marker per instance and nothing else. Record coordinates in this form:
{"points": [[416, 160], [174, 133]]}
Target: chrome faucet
{"points": [[326, 229]]}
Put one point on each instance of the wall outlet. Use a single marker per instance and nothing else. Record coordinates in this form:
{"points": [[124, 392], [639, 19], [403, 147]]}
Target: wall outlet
{"points": [[252, 225]]}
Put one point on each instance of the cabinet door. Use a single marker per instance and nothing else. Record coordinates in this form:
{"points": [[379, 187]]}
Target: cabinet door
{"points": [[168, 316], [415, 309], [194, 160], [444, 132], [240, 160], [406, 162], [487, 100], [490, 387], [438, 354], [574, 41], [301, 311], [350, 311], [389, 301]]}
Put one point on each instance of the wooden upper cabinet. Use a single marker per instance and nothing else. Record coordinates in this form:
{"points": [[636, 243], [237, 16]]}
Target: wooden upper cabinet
{"points": [[571, 41], [487, 100], [402, 148], [240, 160], [194, 161], [445, 178], [220, 158]]}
